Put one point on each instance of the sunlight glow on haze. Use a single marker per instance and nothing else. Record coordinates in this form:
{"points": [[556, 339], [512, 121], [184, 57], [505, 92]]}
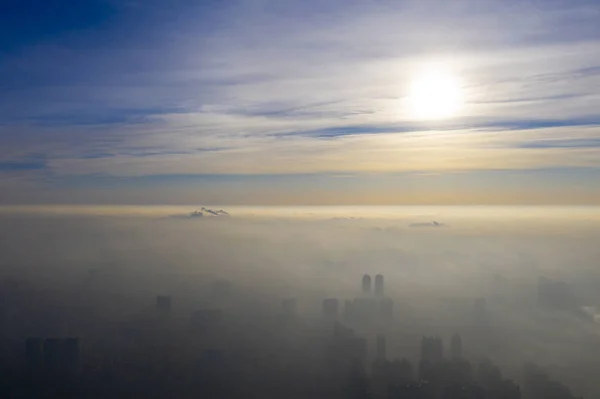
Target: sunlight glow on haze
{"points": [[435, 94]]}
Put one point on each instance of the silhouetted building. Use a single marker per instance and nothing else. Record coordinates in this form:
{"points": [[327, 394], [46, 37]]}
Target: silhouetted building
{"points": [[508, 389], [163, 303], [72, 355], [555, 294], [432, 349], [357, 382], [386, 310], [379, 285], [365, 310], [381, 347], [387, 373], [349, 313], [430, 366], [355, 349], [413, 390], [537, 385], [341, 331], [53, 354], [401, 370], [214, 379], [456, 347], [348, 348], [366, 284], [457, 372], [488, 375], [463, 391], [34, 353], [62, 355], [330, 308]]}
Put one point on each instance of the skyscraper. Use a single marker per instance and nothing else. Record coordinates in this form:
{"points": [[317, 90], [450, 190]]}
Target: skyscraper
{"points": [[33, 353], [456, 347], [72, 355], [555, 294], [379, 285], [341, 331], [349, 314], [365, 310], [330, 308], [352, 349], [430, 366], [386, 309], [366, 284], [432, 349], [53, 350], [380, 347]]}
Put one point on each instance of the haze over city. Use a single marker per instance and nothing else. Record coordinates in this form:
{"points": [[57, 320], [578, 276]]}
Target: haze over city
{"points": [[324, 199]]}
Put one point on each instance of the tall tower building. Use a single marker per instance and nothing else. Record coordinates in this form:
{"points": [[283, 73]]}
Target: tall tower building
{"points": [[349, 314], [386, 310], [432, 350], [456, 347], [365, 310], [432, 355], [366, 284], [380, 347], [33, 353], [379, 285], [54, 360], [72, 354], [330, 308]]}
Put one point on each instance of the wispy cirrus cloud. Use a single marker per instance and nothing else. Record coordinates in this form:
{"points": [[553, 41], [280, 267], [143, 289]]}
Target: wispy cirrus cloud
{"points": [[265, 87]]}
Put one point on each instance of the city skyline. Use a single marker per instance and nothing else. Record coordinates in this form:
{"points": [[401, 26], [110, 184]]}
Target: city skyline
{"points": [[337, 346], [226, 289]]}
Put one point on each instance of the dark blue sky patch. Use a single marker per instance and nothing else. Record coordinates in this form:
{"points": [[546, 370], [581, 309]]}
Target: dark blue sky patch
{"points": [[102, 116], [19, 166], [28, 22], [97, 155]]}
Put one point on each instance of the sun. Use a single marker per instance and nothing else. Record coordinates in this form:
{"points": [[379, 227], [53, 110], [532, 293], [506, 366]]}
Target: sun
{"points": [[435, 94]]}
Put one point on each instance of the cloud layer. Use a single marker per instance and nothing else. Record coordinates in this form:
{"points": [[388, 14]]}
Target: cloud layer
{"points": [[264, 87]]}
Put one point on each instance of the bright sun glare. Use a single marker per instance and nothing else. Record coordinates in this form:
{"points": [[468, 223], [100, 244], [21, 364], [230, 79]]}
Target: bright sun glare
{"points": [[434, 94]]}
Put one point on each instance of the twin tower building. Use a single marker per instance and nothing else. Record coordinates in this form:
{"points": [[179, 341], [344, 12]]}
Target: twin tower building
{"points": [[366, 285], [363, 309]]}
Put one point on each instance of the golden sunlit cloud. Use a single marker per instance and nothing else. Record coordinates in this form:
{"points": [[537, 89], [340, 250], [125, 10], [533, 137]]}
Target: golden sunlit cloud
{"points": [[434, 94]]}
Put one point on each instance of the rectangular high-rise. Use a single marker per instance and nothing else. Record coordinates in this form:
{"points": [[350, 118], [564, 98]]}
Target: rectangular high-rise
{"points": [[330, 308], [379, 285]]}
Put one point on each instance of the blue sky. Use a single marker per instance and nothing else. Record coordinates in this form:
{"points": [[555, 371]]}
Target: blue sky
{"points": [[263, 101]]}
